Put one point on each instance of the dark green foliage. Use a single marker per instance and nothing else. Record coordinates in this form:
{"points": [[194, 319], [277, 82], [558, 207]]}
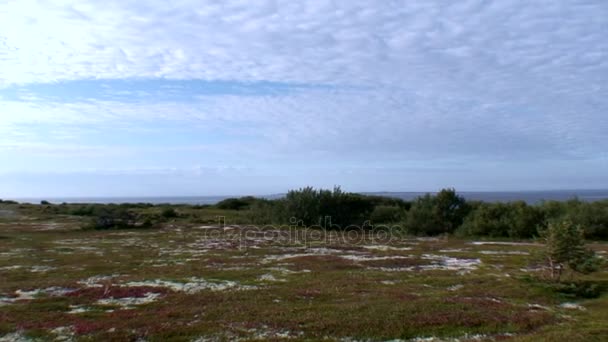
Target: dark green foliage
{"points": [[303, 205], [86, 210], [264, 212], [113, 217], [579, 289], [565, 250], [514, 219], [237, 203], [43, 202], [422, 218], [389, 201], [386, 214], [489, 219], [439, 214], [451, 208], [593, 217], [573, 289], [169, 213], [326, 208], [443, 213], [524, 220]]}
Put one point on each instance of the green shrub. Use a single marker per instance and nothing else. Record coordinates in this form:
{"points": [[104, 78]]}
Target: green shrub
{"points": [[330, 209], [386, 214], [233, 204], [565, 250], [439, 214], [112, 217], [169, 213], [515, 220], [593, 216]]}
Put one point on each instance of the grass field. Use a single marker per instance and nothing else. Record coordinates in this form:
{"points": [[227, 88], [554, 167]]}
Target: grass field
{"points": [[195, 282]]}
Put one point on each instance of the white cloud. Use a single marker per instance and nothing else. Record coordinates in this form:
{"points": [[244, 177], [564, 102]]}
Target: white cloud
{"points": [[409, 80], [441, 43], [382, 123]]}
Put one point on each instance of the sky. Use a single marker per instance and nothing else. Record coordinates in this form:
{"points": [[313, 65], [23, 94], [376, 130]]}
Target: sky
{"points": [[236, 97]]}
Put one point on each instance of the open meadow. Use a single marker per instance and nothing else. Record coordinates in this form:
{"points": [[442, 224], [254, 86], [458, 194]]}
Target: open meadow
{"points": [[185, 281]]}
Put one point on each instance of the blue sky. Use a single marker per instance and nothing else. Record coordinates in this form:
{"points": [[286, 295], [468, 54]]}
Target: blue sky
{"points": [[132, 98]]}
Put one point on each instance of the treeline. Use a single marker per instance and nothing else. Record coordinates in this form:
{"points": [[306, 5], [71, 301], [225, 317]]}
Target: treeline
{"points": [[115, 216], [100, 216], [443, 213], [520, 220], [331, 209]]}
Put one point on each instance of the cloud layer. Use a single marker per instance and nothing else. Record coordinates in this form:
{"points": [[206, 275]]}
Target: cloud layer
{"points": [[339, 84]]}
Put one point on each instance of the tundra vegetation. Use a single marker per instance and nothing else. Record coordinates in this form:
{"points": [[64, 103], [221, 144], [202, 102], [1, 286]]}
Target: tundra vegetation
{"points": [[314, 265]]}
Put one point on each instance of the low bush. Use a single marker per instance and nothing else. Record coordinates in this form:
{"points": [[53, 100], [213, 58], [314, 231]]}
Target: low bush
{"points": [[112, 217], [386, 214], [565, 251], [439, 214], [514, 220], [169, 213]]}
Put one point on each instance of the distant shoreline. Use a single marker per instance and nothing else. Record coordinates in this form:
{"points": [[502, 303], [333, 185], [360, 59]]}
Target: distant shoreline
{"points": [[531, 197]]}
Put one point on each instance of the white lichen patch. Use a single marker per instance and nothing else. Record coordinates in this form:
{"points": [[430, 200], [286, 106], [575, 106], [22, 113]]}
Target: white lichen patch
{"points": [[17, 252], [388, 282], [77, 309], [538, 307], [75, 242], [63, 333], [128, 302], [328, 251], [455, 287], [266, 333], [41, 269], [466, 337], [25, 295], [286, 271], [14, 337], [572, 306], [320, 251], [503, 253], [503, 243], [34, 269], [270, 278], [427, 239], [57, 291], [258, 334], [387, 248], [207, 227], [98, 281], [49, 226], [280, 257], [533, 269], [193, 285], [373, 258], [439, 262], [11, 268], [449, 263], [392, 269]]}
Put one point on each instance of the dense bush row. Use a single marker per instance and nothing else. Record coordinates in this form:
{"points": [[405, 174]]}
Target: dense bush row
{"points": [[443, 213]]}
